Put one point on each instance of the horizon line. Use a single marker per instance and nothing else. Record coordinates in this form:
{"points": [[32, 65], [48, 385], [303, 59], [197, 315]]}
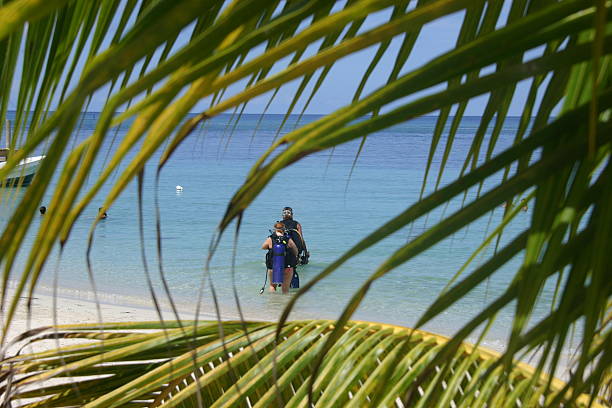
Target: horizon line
{"points": [[283, 114]]}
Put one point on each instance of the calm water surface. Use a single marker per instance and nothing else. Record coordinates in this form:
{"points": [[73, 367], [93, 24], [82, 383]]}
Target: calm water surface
{"points": [[334, 212]]}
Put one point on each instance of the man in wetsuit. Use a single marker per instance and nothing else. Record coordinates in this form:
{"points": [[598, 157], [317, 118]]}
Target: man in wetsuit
{"points": [[295, 231]]}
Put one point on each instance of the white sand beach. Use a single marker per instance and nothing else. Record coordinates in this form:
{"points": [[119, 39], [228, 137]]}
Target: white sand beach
{"points": [[47, 311]]}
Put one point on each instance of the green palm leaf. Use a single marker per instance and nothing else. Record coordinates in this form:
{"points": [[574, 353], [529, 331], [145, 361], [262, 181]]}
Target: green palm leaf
{"points": [[234, 370], [560, 159]]}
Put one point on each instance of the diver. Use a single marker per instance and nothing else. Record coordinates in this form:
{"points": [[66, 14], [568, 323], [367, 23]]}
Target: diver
{"points": [[295, 231], [281, 257]]}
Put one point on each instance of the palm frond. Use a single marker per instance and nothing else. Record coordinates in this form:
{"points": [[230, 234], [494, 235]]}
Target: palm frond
{"points": [[560, 157], [164, 369]]}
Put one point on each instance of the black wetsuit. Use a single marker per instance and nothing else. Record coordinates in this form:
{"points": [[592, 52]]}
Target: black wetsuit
{"points": [[292, 226]]}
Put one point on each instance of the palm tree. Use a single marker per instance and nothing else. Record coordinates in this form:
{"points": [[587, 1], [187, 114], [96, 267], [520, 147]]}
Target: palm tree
{"points": [[560, 160]]}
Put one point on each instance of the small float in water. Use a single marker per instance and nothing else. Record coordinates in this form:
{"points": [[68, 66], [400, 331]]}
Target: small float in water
{"points": [[23, 173]]}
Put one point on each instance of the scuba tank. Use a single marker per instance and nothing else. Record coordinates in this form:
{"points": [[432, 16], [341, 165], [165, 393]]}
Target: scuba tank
{"points": [[279, 250]]}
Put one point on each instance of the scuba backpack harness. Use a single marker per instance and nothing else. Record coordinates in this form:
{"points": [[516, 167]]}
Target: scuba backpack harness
{"points": [[279, 253], [291, 225]]}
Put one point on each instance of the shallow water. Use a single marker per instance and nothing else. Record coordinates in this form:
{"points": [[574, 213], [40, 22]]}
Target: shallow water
{"points": [[334, 211]]}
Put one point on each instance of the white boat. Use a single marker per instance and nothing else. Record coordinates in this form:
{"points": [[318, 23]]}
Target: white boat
{"points": [[23, 173]]}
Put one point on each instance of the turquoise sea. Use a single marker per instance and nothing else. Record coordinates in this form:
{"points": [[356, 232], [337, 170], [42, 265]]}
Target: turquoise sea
{"points": [[335, 212]]}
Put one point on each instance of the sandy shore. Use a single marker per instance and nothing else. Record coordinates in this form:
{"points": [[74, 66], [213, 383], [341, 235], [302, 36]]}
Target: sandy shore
{"points": [[47, 311]]}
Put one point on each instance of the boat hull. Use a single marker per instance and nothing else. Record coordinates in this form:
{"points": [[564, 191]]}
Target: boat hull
{"points": [[23, 173]]}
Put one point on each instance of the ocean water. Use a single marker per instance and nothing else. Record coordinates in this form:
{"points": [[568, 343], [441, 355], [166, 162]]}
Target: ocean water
{"points": [[336, 208]]}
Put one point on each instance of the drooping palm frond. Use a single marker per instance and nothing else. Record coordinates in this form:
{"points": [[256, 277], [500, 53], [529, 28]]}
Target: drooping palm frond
{"points": [[561, 154], [370, 365], [569, 190]]}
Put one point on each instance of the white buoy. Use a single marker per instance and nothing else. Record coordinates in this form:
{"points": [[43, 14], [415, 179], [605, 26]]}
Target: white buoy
{"points": [[179, 188]]}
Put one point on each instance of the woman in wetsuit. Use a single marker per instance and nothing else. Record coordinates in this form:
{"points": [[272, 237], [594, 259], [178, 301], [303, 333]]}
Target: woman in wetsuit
{"points": [[290, 257]]}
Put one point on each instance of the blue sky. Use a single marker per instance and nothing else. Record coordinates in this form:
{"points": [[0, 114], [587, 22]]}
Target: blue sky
{"points": [[339, 87]]}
